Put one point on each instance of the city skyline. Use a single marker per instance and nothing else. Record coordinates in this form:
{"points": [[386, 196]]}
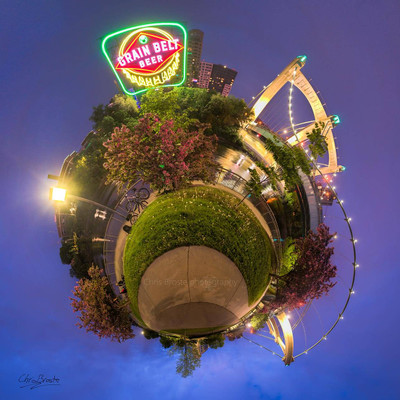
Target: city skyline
{"points": [[203, 74]]}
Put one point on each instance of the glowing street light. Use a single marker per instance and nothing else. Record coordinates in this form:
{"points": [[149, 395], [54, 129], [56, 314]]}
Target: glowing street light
{"points": [[58, 194]]}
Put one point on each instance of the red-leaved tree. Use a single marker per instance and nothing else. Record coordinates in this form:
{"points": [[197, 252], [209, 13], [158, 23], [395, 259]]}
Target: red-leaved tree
{"points": [[100, 313], [312, 273], [166, 157]]}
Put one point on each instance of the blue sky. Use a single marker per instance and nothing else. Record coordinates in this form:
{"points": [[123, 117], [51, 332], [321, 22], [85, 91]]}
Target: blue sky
{"points": [[53, 73]]}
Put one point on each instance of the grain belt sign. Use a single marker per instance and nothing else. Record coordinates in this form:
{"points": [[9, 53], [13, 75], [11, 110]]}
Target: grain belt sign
{"points": [[147, 56]]}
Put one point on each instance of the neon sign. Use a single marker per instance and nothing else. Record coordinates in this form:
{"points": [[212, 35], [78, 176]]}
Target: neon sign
{"points": [[147, 56]]}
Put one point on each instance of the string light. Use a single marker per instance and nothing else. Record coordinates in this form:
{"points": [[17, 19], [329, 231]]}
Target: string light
{"points": [[324, 192], [327, 180]]}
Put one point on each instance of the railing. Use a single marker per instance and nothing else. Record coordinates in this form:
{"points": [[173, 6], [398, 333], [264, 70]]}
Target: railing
{"points": [[236, 183], [111, 235], [224, 177]]}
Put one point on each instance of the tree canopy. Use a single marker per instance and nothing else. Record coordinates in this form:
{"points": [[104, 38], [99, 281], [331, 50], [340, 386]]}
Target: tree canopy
{"points": [[289, 160], [189, 359], [215, 340], [271, 173], [317, 141], [166, 342], [121, 110], [312, 272], [87, 171], [258, 321], [222, 116], [289, 256], [163, 155], [100, 313], [149, 334], [191, 109]]}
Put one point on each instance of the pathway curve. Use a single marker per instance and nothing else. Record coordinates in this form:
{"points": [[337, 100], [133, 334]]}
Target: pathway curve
{"points": [[192, 287]]}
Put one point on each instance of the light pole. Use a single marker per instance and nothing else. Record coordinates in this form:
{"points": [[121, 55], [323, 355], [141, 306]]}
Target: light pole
{"points": [[58, 194]]}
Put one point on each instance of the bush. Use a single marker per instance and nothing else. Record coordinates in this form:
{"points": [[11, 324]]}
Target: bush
{"points": [[200, 216], [258, 321], [215, 341]]}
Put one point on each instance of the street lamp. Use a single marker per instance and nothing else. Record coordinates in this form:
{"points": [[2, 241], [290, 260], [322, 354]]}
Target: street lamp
{"points": [[59, 195]]}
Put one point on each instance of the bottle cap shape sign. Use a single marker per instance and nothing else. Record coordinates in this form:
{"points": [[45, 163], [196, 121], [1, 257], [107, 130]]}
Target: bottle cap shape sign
{"points": [[147, 56]]}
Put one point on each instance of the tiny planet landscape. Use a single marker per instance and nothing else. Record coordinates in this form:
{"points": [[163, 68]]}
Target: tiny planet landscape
{"points": [[197, 216]]}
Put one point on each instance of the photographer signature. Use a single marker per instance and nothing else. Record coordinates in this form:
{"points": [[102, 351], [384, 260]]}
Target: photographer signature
{"points": [[40, 381]]}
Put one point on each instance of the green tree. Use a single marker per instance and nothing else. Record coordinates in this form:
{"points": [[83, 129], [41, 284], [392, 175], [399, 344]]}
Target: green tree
{"points": [[121, 110], [253, 186], [66, 254], [258, 321], [88, 171], [271, 173], [189, 359], [166, 342], [172, 105], [149, 334], [225, 116], [235, 334], [100, 312], [317, 141], [215, 341], [79, 267], [312, 273], [293, 214], [289, 256], [289, 159], [189, 107], [80, 255]]}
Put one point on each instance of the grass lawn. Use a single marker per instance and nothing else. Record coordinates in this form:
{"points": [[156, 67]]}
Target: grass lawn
{"points": [[199, 216]]}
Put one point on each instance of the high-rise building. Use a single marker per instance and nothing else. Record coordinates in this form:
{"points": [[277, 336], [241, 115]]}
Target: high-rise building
{"points": [[216, 77], [205, 74], [194, 48]]}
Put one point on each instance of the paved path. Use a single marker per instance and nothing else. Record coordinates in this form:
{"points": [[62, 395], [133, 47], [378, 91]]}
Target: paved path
{"points": [[194, 314], [192, 287], [122, 236], [120, 245]]}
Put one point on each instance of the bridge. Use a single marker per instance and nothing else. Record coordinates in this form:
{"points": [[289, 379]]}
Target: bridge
{"points": [[292, 72]]}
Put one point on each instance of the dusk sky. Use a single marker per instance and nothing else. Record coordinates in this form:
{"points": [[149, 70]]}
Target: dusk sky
{"points": [[53, 73]]}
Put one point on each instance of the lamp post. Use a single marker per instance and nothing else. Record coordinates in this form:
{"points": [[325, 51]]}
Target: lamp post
{"points": [[58, 194]]}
